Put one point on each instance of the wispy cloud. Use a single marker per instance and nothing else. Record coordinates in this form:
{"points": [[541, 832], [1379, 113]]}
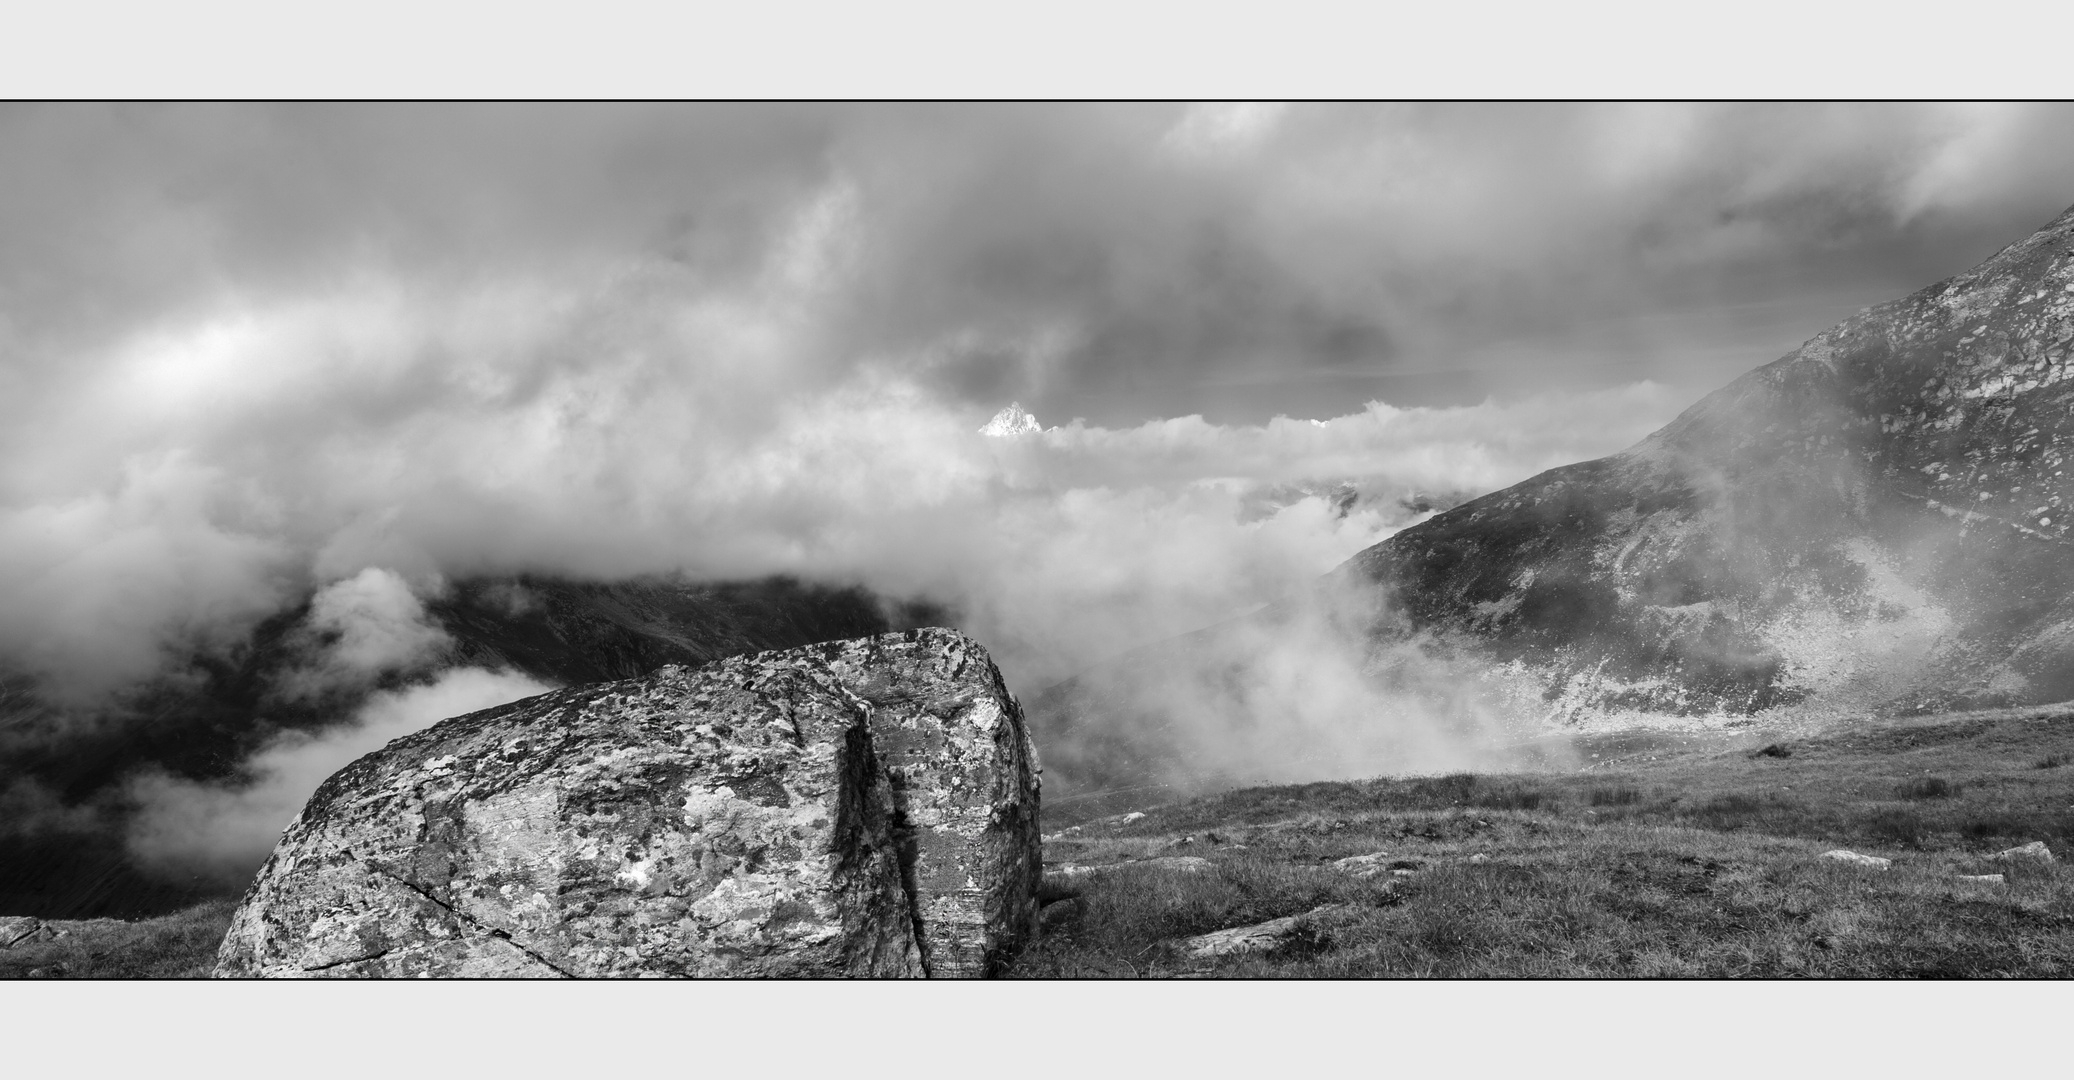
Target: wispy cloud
{"points": [[251, 352]]}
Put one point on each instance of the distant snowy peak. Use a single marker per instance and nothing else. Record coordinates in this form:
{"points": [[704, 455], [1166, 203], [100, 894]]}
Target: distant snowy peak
{"points": [[1011, 422]]}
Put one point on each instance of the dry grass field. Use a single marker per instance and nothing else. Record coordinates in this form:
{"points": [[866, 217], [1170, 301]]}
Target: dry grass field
{"points": [[177, 946], [1667, 857]]}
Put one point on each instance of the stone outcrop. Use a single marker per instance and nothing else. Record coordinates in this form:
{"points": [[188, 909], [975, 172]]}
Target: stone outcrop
{"points": [[862, 809], [1870, 862], [1362, 867], [2034, 852], [15, 929], [1259, 937]]}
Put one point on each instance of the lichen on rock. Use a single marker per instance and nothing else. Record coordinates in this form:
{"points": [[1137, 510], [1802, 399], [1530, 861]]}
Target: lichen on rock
{"points": [[852, 809]]}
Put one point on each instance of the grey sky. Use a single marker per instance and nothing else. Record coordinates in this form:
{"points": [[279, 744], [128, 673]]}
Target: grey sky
{"points": [[250, 350], [1114, 262]]}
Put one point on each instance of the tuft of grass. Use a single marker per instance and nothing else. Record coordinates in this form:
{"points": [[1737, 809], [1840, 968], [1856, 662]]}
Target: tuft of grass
{"points": [[1736, 810], [1622, 795], [1775, 750], [2050, 761], [1512, 797], [1927, 787], [1994, 825], [1450, 790], [1896, 826], [178, 946]]}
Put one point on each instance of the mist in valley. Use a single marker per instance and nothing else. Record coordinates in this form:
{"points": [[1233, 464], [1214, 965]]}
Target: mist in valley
{"points": [[310, 368]]}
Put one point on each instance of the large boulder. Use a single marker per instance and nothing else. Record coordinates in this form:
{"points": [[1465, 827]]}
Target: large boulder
{"points": [[863, 808], [964, 780]]}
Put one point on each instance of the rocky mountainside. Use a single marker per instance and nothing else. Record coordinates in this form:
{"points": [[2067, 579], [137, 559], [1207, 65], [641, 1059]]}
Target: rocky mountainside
{"points": [[61, 773], [1878, 520], [860, 808]]}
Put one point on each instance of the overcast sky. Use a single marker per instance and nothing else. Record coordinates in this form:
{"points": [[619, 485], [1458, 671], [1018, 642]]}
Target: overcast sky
{"points": [[248, 351]]}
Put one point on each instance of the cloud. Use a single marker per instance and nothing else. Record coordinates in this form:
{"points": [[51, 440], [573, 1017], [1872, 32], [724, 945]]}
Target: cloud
{"points": [[97, 584], [250, 352], [358, 630], [1299, 692], [224, 833]]}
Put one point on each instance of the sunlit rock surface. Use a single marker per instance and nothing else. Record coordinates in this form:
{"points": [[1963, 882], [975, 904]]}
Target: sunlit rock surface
{"points": [[861, 808], [1878, 520]]}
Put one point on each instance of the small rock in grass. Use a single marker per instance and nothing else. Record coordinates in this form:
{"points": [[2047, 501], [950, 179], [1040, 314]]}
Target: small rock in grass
{"points": [[1479, 857], [1260, 937], [1855, 859], [2035, 851], [1364, 866], [1070, 875], [1988, 879], [1132, 816], [1190, 864], [14, 928]]}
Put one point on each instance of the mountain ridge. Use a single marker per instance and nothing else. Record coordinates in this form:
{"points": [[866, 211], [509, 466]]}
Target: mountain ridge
{"points": [[1875, 523], [1903, 464]]}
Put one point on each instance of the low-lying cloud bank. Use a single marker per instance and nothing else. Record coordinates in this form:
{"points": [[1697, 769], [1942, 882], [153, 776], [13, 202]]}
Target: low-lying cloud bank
{"points": [[224, 832], [248, 354], [1058, 549]]}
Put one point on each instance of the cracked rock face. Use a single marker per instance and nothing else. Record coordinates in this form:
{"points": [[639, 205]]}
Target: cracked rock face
{"points": [[963, 770], [853, 809]]}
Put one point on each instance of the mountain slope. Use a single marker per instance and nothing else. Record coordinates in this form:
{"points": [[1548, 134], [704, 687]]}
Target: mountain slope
{"points": [[1874, 520], [1878, 522]]}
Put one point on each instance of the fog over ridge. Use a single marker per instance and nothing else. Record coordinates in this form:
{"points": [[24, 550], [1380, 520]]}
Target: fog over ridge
{"points": [[248, 354]]}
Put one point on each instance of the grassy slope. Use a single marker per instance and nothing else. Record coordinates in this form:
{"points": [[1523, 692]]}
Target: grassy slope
{"points": [[1667, 857], [1665, 860], [177, 946]]}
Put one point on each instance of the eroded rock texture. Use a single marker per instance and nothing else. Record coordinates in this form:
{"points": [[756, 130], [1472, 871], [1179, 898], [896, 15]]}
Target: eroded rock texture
{"points": [[738, 819], [964, 776]]}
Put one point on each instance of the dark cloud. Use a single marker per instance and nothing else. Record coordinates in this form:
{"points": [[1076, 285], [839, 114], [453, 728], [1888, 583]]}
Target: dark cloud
{"points": [[252, 354], [1073, 252], [250, 350]]}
